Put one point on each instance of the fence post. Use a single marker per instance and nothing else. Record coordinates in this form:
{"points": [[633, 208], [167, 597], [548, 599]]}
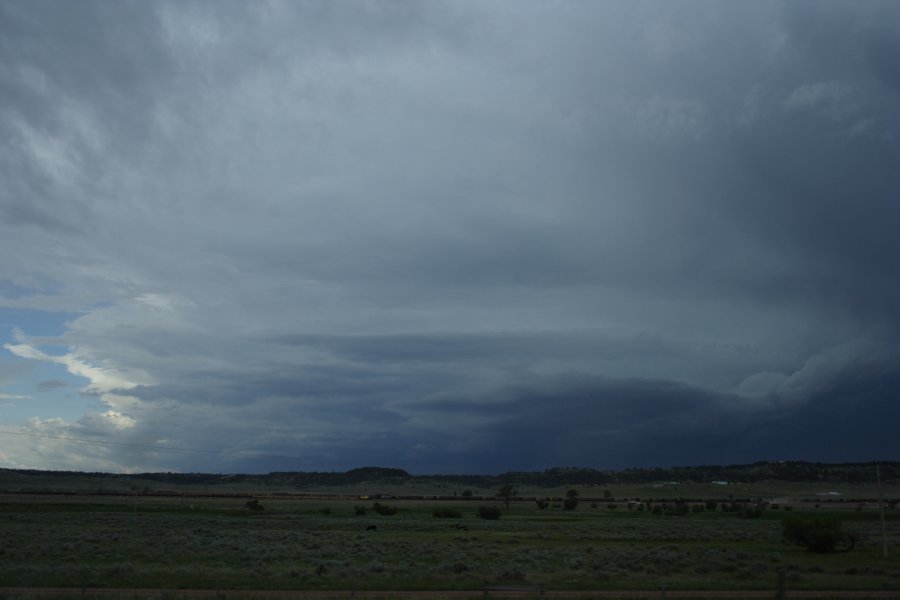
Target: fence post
{"points": [[781, 583]]}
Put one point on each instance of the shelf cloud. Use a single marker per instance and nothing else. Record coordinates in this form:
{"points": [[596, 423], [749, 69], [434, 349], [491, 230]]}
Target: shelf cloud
{"points": [[468, 236]]}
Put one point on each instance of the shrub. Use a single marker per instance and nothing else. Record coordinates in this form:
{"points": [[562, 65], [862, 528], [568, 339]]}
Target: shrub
{"points": [[254, 505], [570, 503], [711, 505], [445, 513], [679, 508], [751, 512], [698, 508], [612, 506], [821, 534], [359, 510], [541, 504], [384, 509], [489, 512], [467, 494]]}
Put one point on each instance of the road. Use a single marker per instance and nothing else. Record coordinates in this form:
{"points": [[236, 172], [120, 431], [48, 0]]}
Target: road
{"points": [[499, 593]]}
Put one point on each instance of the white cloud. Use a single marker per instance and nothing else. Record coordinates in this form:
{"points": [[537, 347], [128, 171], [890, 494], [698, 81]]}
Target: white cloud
{"points": [[661, 118], [102, 379], [835, 100]]}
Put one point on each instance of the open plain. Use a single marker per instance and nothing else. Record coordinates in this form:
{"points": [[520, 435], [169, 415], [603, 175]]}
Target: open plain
{"points": [[185, 543]]}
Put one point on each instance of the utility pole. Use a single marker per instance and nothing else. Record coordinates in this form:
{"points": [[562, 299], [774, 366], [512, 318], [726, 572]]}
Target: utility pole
{"points": [[881, 509]]}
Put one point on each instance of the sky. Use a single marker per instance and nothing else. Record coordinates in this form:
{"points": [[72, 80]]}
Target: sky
{"points": [[448, 236]]}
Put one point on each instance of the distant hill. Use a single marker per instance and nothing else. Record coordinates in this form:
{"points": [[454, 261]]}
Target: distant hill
{"points": [[791, 471], [788, 471]]}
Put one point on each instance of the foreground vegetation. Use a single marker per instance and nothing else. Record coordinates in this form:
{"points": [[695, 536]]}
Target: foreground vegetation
{"points": [[289, 543]]}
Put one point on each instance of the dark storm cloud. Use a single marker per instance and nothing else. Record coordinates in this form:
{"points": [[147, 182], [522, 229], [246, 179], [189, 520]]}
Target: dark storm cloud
{"points": [[477, 235], [627, 423]]}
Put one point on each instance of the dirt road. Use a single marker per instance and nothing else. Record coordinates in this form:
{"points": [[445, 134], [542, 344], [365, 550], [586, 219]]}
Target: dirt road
{"points": [[499, 593]]}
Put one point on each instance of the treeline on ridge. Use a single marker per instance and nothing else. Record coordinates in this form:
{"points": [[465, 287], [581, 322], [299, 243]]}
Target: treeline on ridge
{"points": [[791, 471]]}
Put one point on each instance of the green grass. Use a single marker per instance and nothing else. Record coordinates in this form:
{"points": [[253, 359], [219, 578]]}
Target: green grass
{"points": [[167, 543]]}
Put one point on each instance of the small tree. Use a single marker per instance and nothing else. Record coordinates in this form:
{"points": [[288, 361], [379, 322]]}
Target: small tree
{"points": [[821, 534], [467, 494], [383, 509], [506, 491], [489, 512]]}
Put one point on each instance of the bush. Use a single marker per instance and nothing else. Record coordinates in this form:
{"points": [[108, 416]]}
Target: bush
{"points": [[445, 513], [711, 505], [489, 512], [254, 505], [359, 510], [751, 512], [541, 504], [821, 534], [384, 509], [570, 503], [679, 508]]}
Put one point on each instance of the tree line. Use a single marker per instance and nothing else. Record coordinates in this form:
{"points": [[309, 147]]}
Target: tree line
{"points": [[796, 471]]}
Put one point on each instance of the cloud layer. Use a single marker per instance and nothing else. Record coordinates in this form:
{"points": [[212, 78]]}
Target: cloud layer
{"points": [[468, 236]]}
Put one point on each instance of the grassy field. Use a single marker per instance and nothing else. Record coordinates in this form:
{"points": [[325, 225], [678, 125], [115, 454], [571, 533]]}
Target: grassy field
{"points": [[423, 485], [209, 543]]}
